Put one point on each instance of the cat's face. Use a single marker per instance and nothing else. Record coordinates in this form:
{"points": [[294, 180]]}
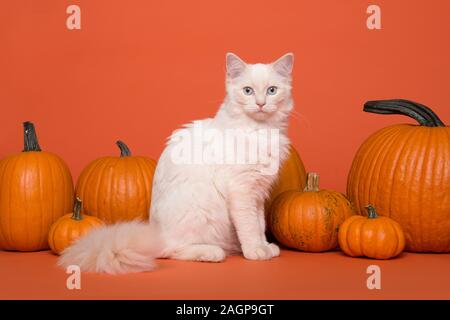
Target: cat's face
{"points": [[261, 91]]}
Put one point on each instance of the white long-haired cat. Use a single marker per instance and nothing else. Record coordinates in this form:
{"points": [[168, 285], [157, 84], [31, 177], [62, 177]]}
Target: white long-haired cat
{"points": [[204, 211]]}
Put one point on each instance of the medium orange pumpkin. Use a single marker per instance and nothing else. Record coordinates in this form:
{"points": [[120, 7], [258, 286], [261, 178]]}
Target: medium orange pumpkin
{"points": [[70, 227], [404, 171], [292, 176], [117, 188], [372, 236], [36, 189], [309, 220]]}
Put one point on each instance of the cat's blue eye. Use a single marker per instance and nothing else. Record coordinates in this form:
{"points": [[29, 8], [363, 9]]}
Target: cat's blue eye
{"points": [[272, 90], [248, 91]]}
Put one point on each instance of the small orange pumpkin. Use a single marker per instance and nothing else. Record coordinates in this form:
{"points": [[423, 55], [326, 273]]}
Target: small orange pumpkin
{"points": [[36, 189], [70, 227], [309, 220], [372, 236], [117, 188]]}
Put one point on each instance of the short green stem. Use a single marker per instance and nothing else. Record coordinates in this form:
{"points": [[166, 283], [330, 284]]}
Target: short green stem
{"points": [[30, 138], [124, 150], [371, 212], [77, 209], [312, 182]]}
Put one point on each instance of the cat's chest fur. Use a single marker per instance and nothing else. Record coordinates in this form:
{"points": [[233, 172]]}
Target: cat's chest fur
{"points": [[250, 155]]}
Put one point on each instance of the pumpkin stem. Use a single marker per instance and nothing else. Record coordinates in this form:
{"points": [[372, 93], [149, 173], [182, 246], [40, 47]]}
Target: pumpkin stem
{"points": [[77, 209], [30, 139], [312, 182], [371, 212], [124, 150], [422, 114]]}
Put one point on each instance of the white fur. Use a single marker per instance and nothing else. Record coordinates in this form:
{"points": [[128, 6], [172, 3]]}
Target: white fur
{"points": [[203, 212], [120, 248]]}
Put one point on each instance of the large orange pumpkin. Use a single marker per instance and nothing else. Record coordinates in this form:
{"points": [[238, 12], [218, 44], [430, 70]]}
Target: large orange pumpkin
{"points": [[70, 227], [372, 236], [117, 188], [309, 220], [404, 171], [35, 190], [292, 176]]}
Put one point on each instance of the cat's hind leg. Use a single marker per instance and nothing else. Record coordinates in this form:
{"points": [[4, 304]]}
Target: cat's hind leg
{"points": [[199, 252]]}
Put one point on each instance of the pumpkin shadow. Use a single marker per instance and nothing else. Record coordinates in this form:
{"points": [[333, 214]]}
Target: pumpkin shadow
{"points": [[401, 256]]}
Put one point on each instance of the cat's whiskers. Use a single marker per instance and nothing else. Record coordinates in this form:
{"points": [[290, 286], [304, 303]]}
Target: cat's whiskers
{"points": [[302, 119]]}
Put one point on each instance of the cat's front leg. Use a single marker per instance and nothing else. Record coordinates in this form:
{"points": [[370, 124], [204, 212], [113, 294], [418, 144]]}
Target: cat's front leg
{"points": [[246, 214], [263, 226]]}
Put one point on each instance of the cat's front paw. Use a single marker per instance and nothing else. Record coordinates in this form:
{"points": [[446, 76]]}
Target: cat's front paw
{"points": [[275, 249], [261, 252]]}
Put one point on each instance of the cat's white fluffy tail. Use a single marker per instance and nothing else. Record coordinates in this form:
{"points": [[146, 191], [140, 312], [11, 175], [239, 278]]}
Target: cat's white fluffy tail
{"points": [[120, 248]]}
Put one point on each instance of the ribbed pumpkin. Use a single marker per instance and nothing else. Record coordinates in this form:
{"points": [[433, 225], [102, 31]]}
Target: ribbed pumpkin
{"points": [[70, 227], [309, 220], [404, 171], [372, 236], [292, 176], [36, 189], [117, 188]]}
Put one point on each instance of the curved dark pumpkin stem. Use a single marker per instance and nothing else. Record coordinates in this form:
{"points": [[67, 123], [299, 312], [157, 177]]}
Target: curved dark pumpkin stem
{"points": [[124, 150], [421, 113], [371, 212], [77, 209], [312, 182], [30, 138]]}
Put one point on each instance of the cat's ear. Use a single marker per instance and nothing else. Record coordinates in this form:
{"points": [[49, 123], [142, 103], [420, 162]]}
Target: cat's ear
{"points": [[284, 65], [235, 65]]}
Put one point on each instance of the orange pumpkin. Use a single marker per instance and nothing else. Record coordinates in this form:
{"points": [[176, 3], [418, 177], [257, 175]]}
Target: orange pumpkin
{"points": [[292, 176], [404, 171], [309, 220], [372, 236], [117, 188], [35, 190], [70, 227]]}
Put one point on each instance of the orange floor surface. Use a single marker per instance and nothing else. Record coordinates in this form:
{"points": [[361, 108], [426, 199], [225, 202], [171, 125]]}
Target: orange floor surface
{"points": [[293, 275]]}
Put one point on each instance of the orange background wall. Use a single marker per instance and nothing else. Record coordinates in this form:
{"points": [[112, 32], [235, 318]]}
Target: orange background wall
{"points": [[139, 69]]}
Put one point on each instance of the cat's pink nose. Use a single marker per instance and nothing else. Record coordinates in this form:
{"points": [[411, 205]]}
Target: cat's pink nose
{"points": [[261, 105]]}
